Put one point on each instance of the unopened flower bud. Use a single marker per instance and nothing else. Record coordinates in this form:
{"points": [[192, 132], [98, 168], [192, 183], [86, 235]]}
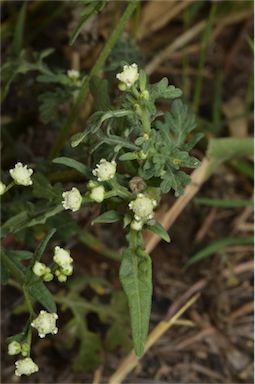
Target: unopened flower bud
{"points": [[136, 225], [2, 188], [14, 348], [97, 194]]}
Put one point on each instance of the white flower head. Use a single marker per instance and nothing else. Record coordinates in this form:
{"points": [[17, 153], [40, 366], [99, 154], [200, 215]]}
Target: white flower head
{"points": [[142, 207], [45, 323], [14, 348], [72, 199], [105, 170], [2, 188], [129, 75], [73, 74], [21, 174], [25, 367], [97, 194], [39, 269], [136, 225]]}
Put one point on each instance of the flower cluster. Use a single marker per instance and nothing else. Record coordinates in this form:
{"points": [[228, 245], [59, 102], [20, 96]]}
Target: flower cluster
{"points": [[44, 323], [65, 263], [41, 270], [142, 207]]}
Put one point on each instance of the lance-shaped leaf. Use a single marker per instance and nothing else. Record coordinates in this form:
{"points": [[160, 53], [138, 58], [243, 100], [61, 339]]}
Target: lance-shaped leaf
{"points": [[135, 277], [107, 217], [159, 230]]}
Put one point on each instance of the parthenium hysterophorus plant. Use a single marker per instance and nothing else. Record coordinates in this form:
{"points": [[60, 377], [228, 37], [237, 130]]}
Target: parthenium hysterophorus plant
{"points": [[135, 154], [140, 154]]}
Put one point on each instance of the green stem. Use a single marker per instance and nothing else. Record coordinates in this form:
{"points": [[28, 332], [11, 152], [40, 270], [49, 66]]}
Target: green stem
{"points": [[12, 267], [85, 86], [9, 186], [28, 300]]}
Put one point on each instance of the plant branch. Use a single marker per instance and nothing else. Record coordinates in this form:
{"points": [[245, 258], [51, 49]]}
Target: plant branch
{"points": [[118, 29]]}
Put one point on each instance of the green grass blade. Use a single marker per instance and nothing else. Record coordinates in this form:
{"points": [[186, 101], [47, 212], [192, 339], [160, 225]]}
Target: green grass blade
{"points": [[218, 246], [221, 203], [19, 31]]}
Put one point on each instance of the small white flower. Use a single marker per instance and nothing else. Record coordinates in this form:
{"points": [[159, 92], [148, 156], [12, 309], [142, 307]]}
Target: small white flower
{"points": [[25, 367], [97, 194], [62, 257], [45, 323], [105, 170], [60, 276], [48, 276], [14, 348], [2, 188], [39, 269], [129, 75], [142, 207], [73, 74], [67, 270], [136, 225], [21, 174], [72, 199]]}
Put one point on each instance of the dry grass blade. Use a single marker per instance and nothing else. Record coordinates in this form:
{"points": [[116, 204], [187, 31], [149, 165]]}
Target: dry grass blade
{"points": [[155, 17], [167, 218], [189, 35], [130, 362], [180, 42], [238, 126]]}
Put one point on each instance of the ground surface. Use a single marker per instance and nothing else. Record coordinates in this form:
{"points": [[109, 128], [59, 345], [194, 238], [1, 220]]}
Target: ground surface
{"points": [[217, 345]]}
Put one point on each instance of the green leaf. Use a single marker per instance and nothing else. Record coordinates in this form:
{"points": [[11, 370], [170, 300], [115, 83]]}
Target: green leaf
{"points": [[224, 149], [99, 90], [91, 9], [129, 156], [40, 293], [25, 219], [44, 190], [221, 203], [89, 353], [78, 138], [19, 255], [19, 31], [107, 217], [164, 91], [4, 273], [159, 230], [218, 246], [42, 246], [67, 161], [135, 277]]}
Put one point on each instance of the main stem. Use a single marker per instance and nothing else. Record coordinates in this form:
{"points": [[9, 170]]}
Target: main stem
{"points": [[96, 68]]}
